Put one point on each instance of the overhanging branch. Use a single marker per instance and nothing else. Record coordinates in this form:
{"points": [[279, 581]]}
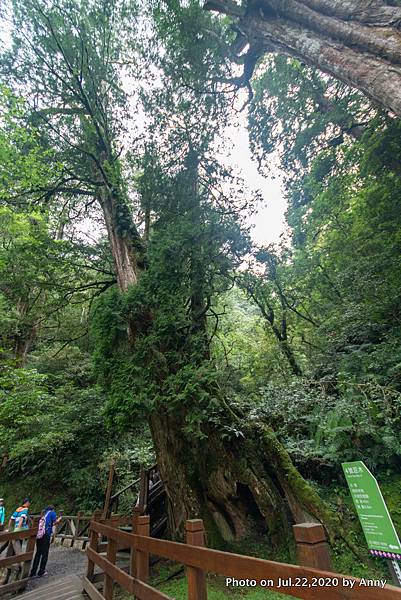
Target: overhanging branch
{"points": [[226, 7]]}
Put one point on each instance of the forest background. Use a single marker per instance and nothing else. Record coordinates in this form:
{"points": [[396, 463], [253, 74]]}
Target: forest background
{"points": [[140, 321]]}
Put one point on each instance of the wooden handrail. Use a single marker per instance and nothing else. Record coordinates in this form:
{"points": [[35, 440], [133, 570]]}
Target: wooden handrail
{"points": [[73, 530], [303, 582], [5, 536], [15, 559], [127, 487]]}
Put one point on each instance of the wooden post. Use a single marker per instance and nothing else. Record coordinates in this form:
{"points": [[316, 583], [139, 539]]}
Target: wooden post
{"points": [[141, 557], [78, 525], [143, 490], [108, 581], [136, 513], [312, 547], [197, 586], [93, 543], [30, 547], [109, 489]]}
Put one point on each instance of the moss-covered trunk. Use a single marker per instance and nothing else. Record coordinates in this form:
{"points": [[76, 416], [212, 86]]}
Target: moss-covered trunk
{"points": [[230, 483], [227, 481]]}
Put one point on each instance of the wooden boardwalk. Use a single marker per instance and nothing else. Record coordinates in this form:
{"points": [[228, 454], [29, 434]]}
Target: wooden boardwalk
{"points": [[67, 588]]}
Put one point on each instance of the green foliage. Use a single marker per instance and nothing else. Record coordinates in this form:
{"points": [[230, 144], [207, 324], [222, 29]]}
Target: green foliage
{"points": [[326, 423], [42, 415], [168, 366], [24, 163], [339, 281], [27, 423]]}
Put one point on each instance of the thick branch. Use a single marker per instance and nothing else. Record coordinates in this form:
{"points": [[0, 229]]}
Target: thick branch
{"points": [[378, 79], [339, 50], [384, 42], [226, 7], [372, 12]]}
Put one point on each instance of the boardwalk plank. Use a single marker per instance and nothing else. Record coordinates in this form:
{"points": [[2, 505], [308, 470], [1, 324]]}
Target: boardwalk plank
{"points": [[68, 588]]}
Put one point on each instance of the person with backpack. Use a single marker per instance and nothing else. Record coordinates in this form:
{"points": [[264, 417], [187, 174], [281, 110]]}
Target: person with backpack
{"points": [[43, 538], [19, 519], [2, 514]]}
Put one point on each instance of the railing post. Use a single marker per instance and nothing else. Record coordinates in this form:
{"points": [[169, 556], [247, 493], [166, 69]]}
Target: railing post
{"points": [[143, 490], [30, 547], [312, 547], [109, 489], [142, 557], [136, 513], [78, 524], [108, 581], [93, 544], [197, 586]]}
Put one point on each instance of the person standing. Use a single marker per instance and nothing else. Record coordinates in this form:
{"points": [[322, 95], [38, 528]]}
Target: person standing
{"points": [[19, 518], [2, 514], [43, 539]]}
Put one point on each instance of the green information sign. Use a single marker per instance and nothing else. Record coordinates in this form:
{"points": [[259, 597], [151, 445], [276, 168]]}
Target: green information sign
{"points": [[375, 519]]}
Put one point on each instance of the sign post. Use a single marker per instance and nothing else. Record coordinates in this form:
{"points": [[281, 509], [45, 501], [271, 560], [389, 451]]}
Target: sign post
{"points": [[379, 530]]}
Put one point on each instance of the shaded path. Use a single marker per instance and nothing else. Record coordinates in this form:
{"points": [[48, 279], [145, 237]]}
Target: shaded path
{"points": [[62, 562]]}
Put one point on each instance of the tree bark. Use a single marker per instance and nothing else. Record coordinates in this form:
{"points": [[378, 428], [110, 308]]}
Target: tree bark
{"points": [[371, 13], [123, 238], [365, 54], [230, 483]]}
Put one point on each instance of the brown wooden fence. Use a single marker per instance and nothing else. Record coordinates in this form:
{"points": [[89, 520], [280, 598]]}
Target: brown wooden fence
{"points": [[304, 582], [73, 530], [16, 552]]}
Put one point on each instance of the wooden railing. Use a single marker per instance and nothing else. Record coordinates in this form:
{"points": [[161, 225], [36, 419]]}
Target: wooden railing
{"points": [[114, 499], [16, 552], [302, 581], [73, 530], [151, 499]]}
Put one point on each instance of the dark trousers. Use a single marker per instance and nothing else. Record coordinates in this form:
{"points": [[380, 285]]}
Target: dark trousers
{"points": [[42, 554]]}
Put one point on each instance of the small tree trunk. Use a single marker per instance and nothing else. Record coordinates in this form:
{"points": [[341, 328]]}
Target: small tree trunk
{"points": [[122, 239], [26, 335]]}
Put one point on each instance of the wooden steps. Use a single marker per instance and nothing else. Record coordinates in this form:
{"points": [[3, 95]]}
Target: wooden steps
{"points": [[67, 588]]}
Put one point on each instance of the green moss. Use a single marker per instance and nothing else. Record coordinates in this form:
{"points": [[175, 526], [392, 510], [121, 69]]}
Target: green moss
{"points": [[214, 538], [392, 494], [300, 488]]}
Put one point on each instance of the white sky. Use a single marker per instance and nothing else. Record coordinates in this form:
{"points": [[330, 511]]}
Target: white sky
{"points": [[269, 222]]}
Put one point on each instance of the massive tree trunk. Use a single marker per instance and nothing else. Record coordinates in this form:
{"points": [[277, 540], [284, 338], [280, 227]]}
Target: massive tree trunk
{"points": [[230, 484], [354, 41]]}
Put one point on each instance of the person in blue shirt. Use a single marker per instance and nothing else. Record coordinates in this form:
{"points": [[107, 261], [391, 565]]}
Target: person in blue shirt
{"points": [[2, 514], [43, 543], [19, 519]]}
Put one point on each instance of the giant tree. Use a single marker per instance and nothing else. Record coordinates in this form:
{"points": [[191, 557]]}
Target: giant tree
{"points": [[70, 58]]}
